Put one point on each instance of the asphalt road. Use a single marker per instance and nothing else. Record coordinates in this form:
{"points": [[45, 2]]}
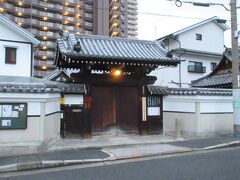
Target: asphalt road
{"points": [[214, 165]]}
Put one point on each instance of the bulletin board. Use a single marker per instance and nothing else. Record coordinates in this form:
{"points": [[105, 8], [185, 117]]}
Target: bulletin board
{"points": [[13, 116]]}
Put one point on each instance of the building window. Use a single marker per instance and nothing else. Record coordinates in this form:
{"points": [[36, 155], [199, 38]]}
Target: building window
{"points": [[10, 55], [213, 66], [196, 67], [199, 37]]}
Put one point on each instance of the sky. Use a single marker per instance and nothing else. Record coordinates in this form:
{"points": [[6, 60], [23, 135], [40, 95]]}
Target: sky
{"points": [[157, 18]]}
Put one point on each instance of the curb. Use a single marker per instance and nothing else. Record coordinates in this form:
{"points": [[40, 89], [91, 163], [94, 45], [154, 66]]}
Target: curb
{"points": [[233, 143]]}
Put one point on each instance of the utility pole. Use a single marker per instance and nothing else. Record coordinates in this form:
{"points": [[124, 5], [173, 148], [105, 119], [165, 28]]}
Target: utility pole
{"points": [[235, 70]]}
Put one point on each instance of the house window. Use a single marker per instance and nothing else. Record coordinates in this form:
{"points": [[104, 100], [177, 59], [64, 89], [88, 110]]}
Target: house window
{"points": [[10, 55], [196, 67], [198, 37], [213, 65]]}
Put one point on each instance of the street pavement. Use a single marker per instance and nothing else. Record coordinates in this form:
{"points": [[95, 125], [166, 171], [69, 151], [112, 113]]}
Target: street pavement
{"points": [[118, 148], [220, 164]]}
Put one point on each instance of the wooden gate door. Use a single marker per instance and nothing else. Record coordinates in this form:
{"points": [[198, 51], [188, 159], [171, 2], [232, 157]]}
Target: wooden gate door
{"points": [[128, 109], [115, 107], [103, 108]]}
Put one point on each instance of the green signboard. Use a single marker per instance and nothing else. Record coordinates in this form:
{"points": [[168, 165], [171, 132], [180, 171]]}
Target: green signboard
{"points": [[13, 116]]}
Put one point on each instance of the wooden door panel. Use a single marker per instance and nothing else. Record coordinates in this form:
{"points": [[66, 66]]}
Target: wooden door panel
{"points": [[102, 108], [128, 108]]}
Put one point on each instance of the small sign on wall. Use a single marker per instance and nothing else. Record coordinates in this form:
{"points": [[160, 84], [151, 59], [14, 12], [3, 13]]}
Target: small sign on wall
{"points": [[6, 123], [153, 111], [144, 109]]}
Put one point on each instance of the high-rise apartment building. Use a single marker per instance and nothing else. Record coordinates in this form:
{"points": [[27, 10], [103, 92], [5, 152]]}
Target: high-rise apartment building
{"points": [[44, 18]]}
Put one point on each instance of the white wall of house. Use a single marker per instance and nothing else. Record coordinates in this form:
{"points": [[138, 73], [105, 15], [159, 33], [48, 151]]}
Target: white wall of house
{"points": [[197, 116], [172, 76], [212, 39], [23, 60], [43, 124]]}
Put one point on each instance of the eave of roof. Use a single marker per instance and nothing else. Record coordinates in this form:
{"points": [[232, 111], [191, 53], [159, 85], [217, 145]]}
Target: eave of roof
{"points": [[192, 51], [4, 20]]}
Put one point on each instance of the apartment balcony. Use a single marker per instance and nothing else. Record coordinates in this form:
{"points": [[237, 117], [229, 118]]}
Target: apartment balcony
{"points": [[75, 2], [115, 12], [69, 9], [88, 32], [43, 54], [88, 16], [88, 25], [88, 1], [132, 12], [115, 29], [69, 19], [49, 44], [115, 4], [132, 6], [41, 73], [88, 8], [44, 26], [115, 21], [47, 64]]}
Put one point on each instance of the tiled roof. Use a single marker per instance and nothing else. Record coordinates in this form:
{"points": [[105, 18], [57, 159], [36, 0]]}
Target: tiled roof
{"points": [[13, 84], [105, 48], [214, 81], [158, 90]]}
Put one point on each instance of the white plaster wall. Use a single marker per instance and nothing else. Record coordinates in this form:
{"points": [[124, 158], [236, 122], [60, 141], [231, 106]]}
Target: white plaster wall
{"points": [[34, 109], [52, 127], [215, 124], [23, 59], [31, 134], [184, 121], [212, 38], [73, 99], [174, 44], [198, 116], [178, 104], [219, 107], [52, 106]]}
